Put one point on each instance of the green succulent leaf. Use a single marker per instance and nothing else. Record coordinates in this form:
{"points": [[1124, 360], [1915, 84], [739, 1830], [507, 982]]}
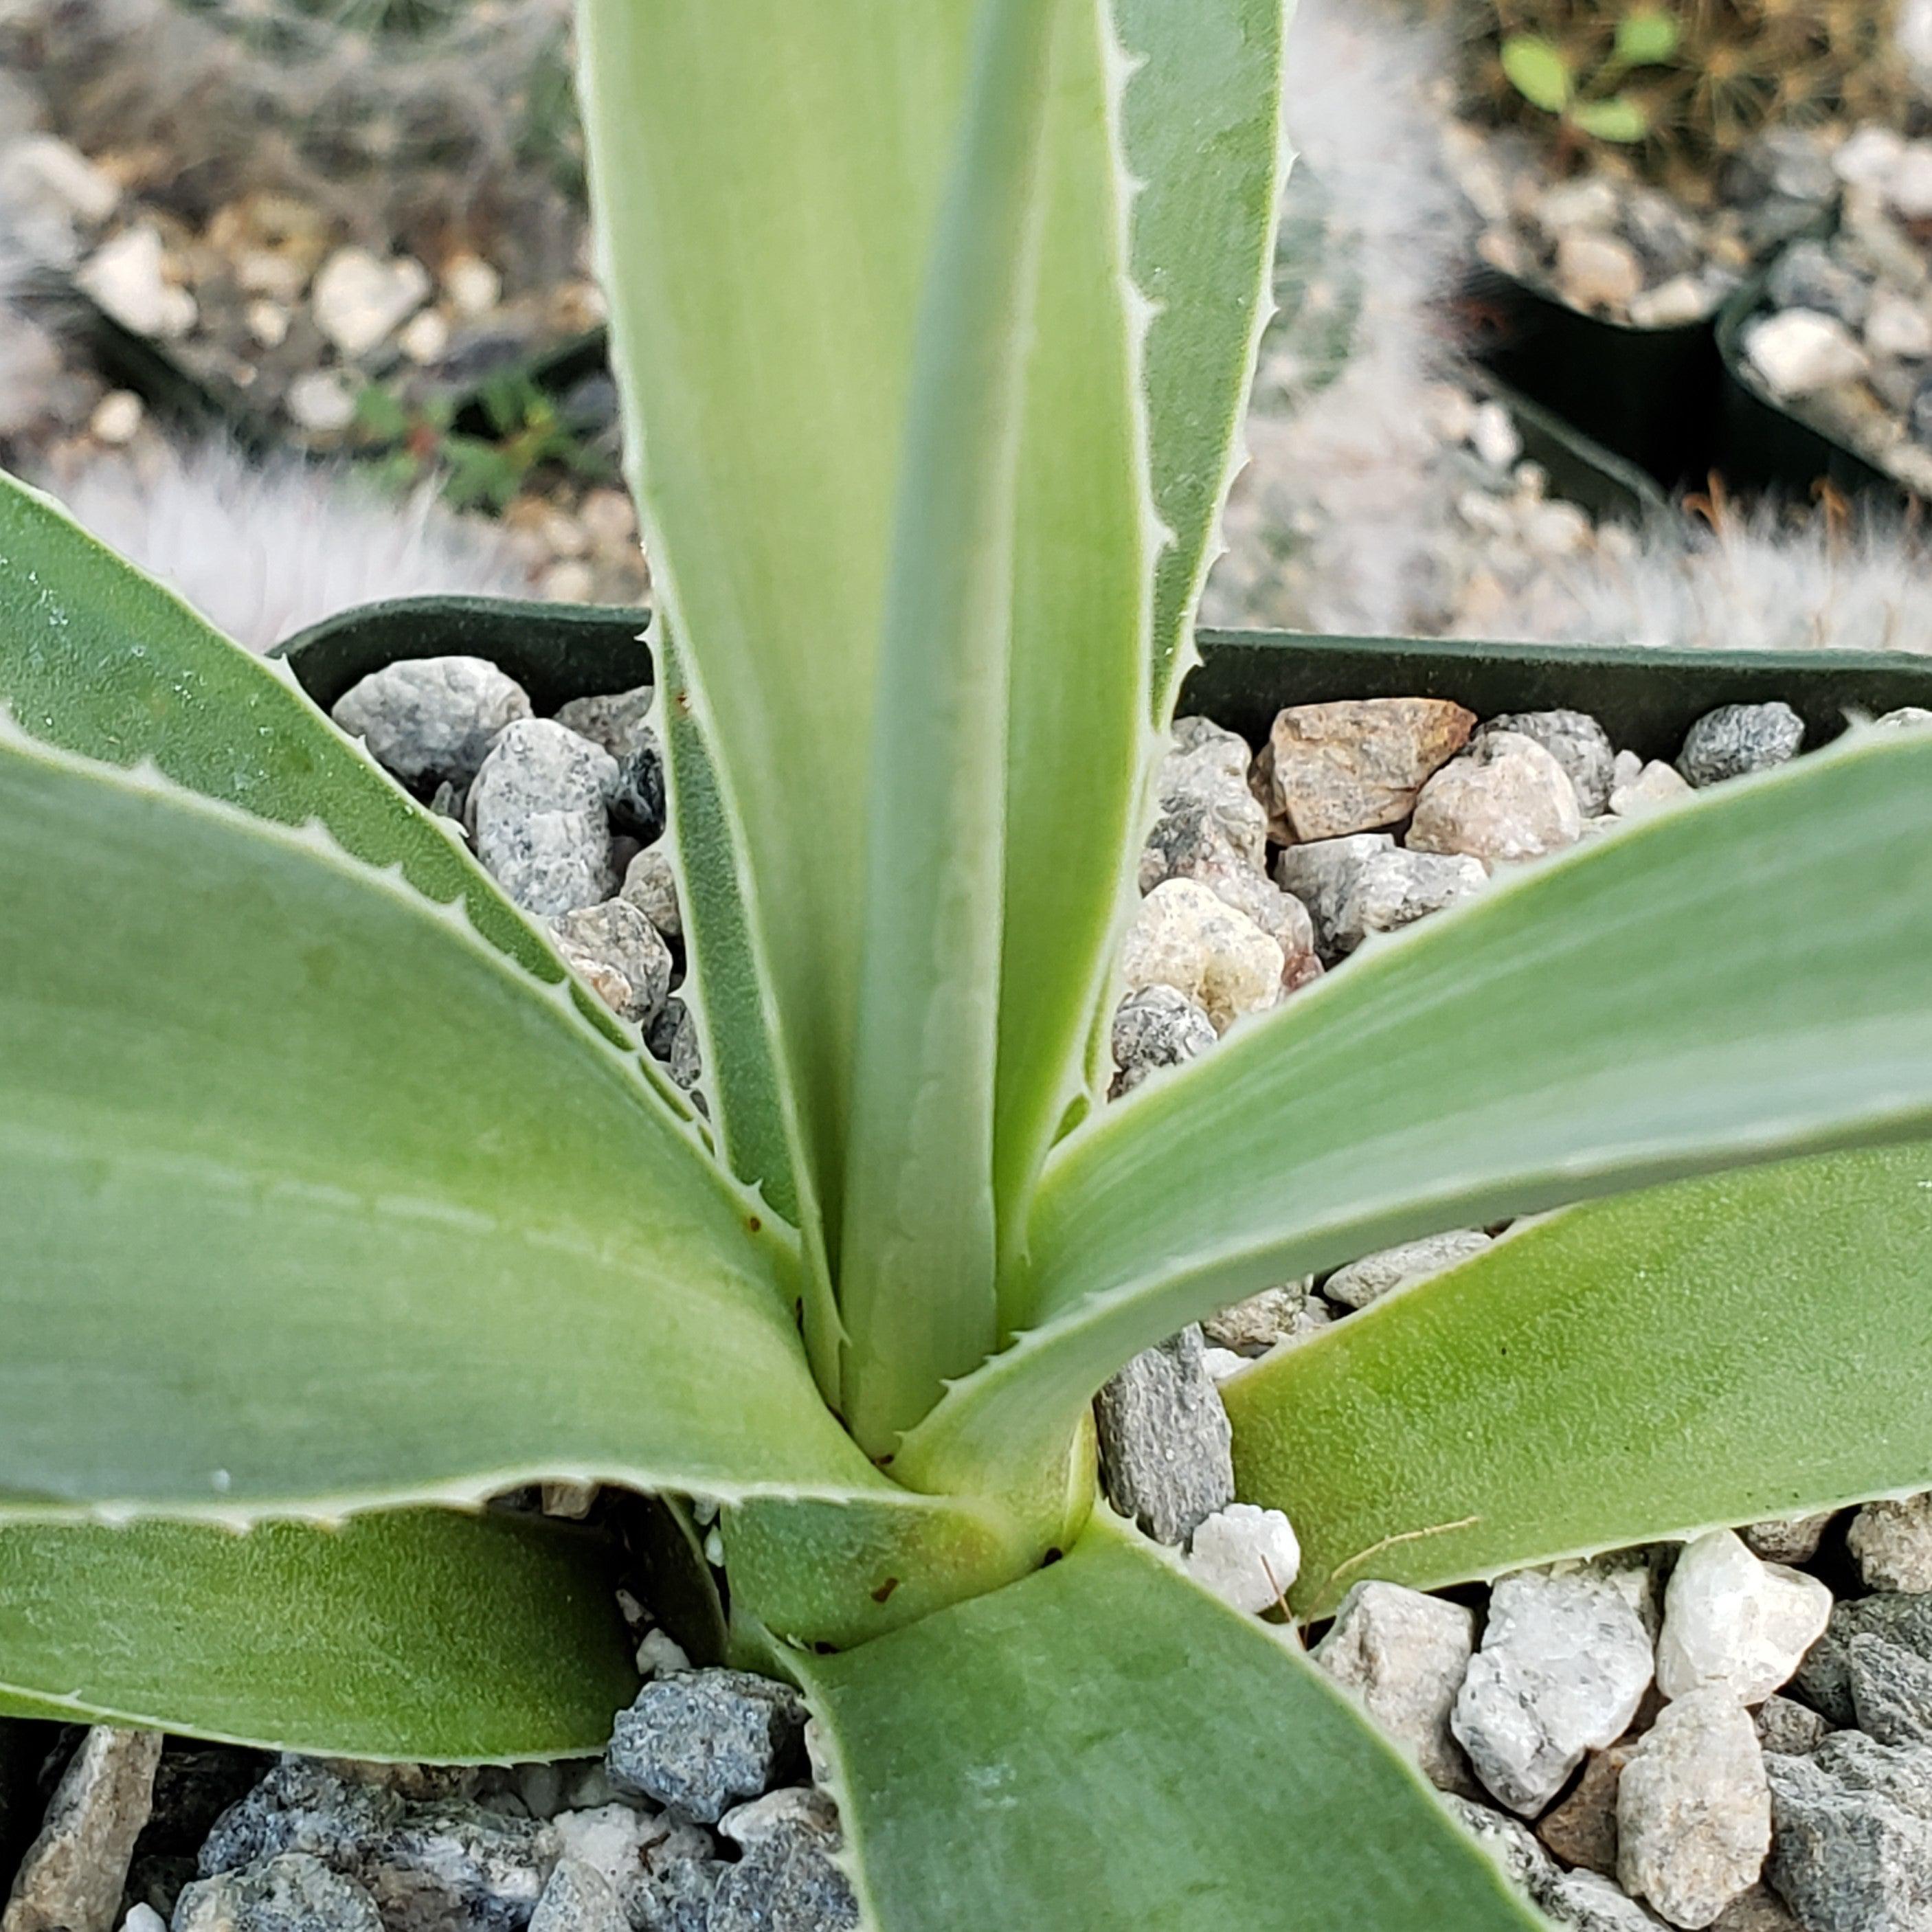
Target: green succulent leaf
{"points": [[422, 1634], [1724, 1350], [103, 661], [1740, 980], [766, 454], [1104, 1744], [1619, 118], [754, 1112], [1539, 70], [309, 1196], [1647, 37], [919, 1201], [1202, 120]]}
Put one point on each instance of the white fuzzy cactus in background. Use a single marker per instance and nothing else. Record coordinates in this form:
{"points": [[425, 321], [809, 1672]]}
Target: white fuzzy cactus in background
{"points": [[1756, 582], [263, 551], [1343, 479]]}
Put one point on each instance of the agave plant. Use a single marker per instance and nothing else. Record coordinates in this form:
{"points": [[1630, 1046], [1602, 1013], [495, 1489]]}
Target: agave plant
{"points": [[330, 1206]]}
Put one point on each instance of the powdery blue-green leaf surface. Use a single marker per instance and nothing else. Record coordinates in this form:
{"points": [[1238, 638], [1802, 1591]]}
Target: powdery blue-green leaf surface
{"points": [[1104, 1745], [766, 358], [754, 1112], [100, 660], [1724, 1350], [425, 1634], [307, 1194], [919, 1201], [1076, 743], [1738, 980], [1203, 133]]}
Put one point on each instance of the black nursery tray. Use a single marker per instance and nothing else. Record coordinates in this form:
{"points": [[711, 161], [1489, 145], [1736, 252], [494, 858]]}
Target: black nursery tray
{"points": [[1646, 700], [1768, 446], [1650, 396]]}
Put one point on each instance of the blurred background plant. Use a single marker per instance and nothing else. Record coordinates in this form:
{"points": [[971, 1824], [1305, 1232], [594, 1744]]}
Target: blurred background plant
{"points": [[1686, 83]]}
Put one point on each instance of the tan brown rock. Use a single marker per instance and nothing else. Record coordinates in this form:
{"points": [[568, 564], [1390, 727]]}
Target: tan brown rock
{"points": [[1507, 799], [1329, 769], [71, 1878], [1583, 1830]]}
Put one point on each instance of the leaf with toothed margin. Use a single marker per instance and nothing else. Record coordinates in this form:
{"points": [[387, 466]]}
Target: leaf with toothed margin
{"points": [[1203, 125], [745, 1074], [1722, 1350], [1078, 746], [309, 1197], [1741, 978], [1104, 1744], [100, 660], [430, 1635]]}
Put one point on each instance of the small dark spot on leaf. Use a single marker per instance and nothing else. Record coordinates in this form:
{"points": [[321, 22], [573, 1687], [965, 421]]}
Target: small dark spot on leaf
{"points": [[885, 1589], [880, 1461], [1051, 1556], [821, 1648], [753, 1223]]}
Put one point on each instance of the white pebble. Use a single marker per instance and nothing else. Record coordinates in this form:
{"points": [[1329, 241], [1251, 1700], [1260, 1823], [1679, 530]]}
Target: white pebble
{"points": [[1185, 937], [660, 1655], [1734, 1623], [1220, 1363], [143, 1918], [319, 400], [116, 419], [127, 276], [359, 300], [1801, 351], [1247, 1555]]}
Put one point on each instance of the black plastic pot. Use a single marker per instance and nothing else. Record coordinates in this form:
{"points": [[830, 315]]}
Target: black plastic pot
{"points": [[1651, 396], [1646, 700], [1767, 446]]}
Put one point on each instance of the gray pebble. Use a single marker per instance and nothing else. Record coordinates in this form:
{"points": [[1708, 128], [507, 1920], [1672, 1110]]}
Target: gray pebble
{"points": [[1852, 1835], [1208, 819], [1565, 1661], [1757, 1909], [1264, 1321], [1579, 1900], [1388, 890], [429, 719], [650, 884], [1789, 1539], [578, 1898], [1891, 1689], [426, 1864], [615, 720], [704, 1741], [1584, 1902], [293, 1891], [616, 937], [1789, 1728], [1156, 1026], [637, 804], [1736, 739], [537, 810], [1891, 1542], [787, 1881], [681, 1877], [1824, 1680], [1404, 1655], [673, 1038], [1320, 874], [1165, 1454], [1807, 275], [70, 1879], [1376, 1275], [1576, 741]]}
